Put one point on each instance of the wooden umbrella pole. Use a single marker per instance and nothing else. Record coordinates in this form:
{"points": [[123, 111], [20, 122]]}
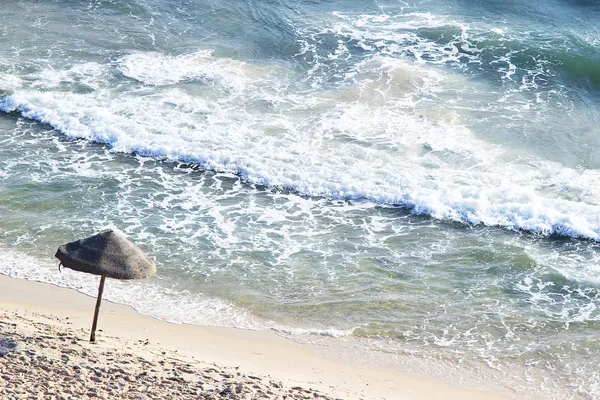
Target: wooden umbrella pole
{"points": [[98, 301]]}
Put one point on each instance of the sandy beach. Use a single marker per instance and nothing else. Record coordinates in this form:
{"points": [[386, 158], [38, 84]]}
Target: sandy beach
{"points": [[45, 353]]}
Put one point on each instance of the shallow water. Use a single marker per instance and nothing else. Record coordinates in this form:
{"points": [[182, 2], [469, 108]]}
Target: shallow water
{"points": [[418, 177]]}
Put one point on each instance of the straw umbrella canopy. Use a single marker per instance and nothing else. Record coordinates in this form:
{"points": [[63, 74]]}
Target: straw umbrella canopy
{"points": [[108, 254]]}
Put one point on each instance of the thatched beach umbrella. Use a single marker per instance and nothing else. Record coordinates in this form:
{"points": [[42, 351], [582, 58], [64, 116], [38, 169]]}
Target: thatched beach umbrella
{"points": [[108, 254]]}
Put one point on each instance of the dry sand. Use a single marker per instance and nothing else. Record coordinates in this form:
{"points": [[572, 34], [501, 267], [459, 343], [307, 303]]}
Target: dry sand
{"points": [[44, 354]]}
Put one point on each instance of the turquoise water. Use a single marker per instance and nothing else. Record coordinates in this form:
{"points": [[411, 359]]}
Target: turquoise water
{"points": [[420, 177]]}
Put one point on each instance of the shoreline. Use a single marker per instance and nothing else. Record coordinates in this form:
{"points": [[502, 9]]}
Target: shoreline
{"points": [[261, 353]]}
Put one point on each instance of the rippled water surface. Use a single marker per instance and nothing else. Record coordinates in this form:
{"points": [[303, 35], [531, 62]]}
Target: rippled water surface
{"points": [[422, 178]]}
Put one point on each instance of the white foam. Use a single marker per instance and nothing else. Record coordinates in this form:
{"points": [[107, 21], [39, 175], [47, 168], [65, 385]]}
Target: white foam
{"points": [[89, 74], [331, 332], [365, 141], [10, 82], [397, 35], [461, 45], [161, 69], [580, 265]]}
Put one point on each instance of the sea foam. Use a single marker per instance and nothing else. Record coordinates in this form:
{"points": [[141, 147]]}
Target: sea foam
{"points": [[364, 141]]}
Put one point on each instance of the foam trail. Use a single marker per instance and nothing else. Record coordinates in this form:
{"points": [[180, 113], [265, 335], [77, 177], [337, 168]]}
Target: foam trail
{"points": [[159, 69]]}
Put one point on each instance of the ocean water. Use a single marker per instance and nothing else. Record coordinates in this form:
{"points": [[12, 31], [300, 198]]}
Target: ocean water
{"points": [[417, 178]]}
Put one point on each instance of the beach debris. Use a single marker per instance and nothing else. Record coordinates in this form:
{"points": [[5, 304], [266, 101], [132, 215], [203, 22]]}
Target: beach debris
{"points": [[110, 255]]}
